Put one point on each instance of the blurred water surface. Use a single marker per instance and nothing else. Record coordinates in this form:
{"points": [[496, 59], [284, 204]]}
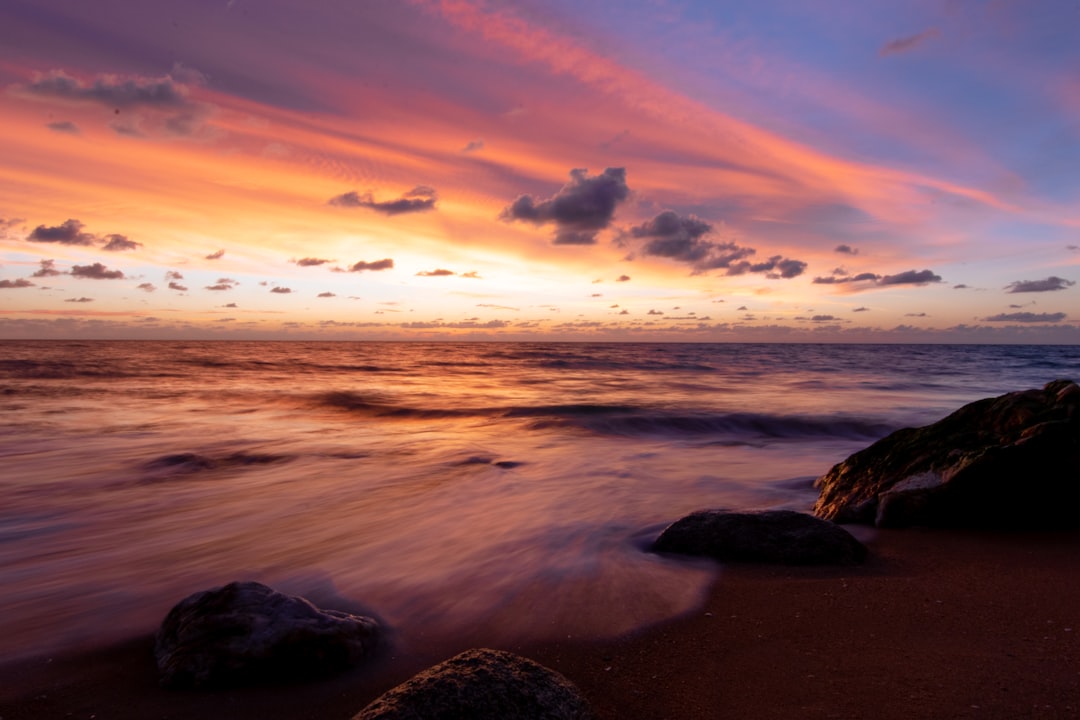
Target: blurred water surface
{"points": [[438, 485]]}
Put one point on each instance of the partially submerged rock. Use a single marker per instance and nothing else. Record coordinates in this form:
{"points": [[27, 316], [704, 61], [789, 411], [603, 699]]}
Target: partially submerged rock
{"points": [[1005, 462], [247, 632], [482, 684], [774, 536]]}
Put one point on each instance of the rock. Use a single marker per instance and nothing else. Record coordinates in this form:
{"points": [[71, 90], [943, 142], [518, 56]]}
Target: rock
{"points": [[482, 684], [1007, 462], [774, 536], [246, 632]]}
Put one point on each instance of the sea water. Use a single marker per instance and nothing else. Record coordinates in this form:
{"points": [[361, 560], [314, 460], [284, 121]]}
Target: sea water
{"points": [[439, 486]]}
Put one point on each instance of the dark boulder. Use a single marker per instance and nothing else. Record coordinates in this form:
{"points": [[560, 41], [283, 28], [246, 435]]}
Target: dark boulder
{"points": [[482, 684], [1007, 462], [246, 632], [774, 536]]}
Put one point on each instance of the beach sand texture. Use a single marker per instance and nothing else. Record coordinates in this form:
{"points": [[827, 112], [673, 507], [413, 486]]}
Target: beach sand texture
{"points": [[937, 624]]}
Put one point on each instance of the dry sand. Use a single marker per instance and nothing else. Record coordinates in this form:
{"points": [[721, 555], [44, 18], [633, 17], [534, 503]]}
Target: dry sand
{"points": [[938, 624]]}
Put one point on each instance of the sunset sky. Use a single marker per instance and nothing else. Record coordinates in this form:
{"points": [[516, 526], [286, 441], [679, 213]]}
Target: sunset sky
{"points": [[782, 170]]}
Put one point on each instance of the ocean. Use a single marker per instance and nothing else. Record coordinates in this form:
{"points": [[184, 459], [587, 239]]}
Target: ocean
{"points": [[439, 486]]}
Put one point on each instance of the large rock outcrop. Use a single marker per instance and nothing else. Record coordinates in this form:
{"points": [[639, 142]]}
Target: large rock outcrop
{"points": [[773, 536], [246, 632], [1007, 462], [482, 684]]}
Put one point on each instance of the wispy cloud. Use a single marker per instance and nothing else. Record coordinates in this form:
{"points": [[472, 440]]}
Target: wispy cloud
{"points": [[905, 44], [1027, 317], [419, 199], [376, 265], [1050, 284]]}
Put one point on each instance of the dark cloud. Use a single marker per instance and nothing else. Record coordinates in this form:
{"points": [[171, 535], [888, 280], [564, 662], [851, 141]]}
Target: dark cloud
{"points": [[823, 318], [217, 255], [419, 199], [70, 232], [961, 286], [13, 284], [846, 250], [111, 91], [861, 309], [63, 126], [80, 300], [177, 287], [909, 277], [776, 267], [918, 314], [230, 305], [672, 236], [473, 146], [47, 269], [97, 271], [678, 238], [437, 272], [148, 103], [623, 278], [655, 312], [1027, 317], [281, 290], [223, 284], [173, 275], [118, 243], [384, 264], [581, 209], [310, 261], [910, 42], [1048, 285], [146, 287], [326, 294]]}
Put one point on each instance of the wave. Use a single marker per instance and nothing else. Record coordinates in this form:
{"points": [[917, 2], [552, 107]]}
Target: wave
{"points": [[739, 425], [289, 365], [630, 420], [623, 358], [23, 369], [168, 467], [367, 405]]}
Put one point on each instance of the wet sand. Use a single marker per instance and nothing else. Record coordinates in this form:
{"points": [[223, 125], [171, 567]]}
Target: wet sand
{"points": [[938, 624]]}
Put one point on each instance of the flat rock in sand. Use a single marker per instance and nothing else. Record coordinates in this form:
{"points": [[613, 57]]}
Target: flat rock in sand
{"points": [[773, 536]]}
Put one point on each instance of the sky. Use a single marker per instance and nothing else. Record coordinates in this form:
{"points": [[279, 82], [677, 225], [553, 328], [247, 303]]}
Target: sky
{"points": [[616, 170]]}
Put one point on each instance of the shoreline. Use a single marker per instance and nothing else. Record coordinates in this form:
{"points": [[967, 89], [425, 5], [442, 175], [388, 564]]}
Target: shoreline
{"points": [[938, 623]]}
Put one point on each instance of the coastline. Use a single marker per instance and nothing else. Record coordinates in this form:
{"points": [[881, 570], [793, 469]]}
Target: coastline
{"points": [[936, 624]]}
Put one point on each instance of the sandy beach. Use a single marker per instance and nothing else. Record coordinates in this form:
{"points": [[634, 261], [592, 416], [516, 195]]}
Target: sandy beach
{"points": [[938, 624]]}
